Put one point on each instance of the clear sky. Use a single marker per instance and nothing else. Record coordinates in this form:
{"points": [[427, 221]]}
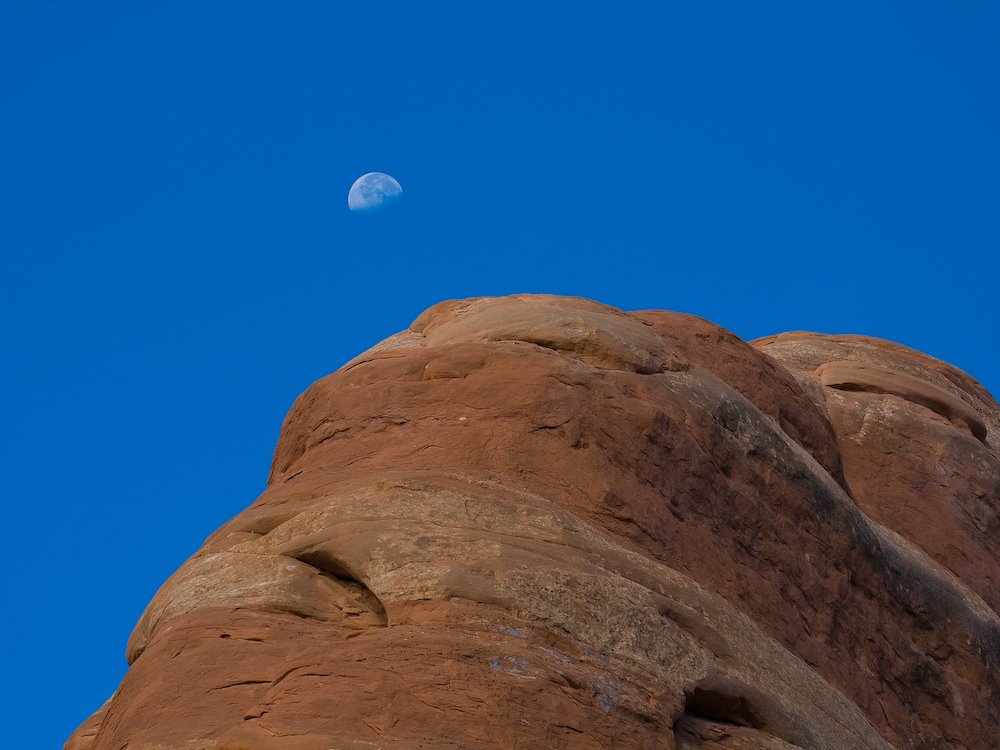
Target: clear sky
{"points": [[179, 261]]}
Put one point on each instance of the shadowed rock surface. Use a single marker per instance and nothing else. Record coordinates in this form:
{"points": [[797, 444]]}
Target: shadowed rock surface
{"points": [[538, 521]]}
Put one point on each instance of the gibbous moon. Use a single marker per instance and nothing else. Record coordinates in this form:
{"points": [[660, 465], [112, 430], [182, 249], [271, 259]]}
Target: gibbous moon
{"points": [[372, 191]]}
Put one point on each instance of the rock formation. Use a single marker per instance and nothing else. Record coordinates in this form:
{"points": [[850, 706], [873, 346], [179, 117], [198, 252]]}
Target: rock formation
{"points": [[540, 522]]}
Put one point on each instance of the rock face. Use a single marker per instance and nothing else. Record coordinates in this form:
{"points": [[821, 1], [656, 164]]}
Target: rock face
{"points": [[537, 521]]}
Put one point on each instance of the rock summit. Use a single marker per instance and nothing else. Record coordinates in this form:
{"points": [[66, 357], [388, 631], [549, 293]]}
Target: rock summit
{"points": [[542, 522]]}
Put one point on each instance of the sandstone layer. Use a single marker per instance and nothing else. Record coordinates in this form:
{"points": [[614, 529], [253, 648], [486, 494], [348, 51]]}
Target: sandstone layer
{"points": [[536, 521]]}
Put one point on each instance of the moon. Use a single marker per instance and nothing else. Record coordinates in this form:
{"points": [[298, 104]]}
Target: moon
{"points": [[373, 191]]}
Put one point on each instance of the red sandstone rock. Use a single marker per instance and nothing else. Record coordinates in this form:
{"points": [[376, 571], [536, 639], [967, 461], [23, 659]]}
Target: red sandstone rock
{"points": [[919, 440], [541, 522]]}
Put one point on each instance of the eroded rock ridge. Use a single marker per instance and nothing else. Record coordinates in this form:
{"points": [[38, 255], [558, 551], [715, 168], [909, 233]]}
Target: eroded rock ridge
{"points": [[538, 521]]}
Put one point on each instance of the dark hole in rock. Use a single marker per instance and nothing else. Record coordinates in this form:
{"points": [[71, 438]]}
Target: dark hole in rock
{"points": [[711, 704]]}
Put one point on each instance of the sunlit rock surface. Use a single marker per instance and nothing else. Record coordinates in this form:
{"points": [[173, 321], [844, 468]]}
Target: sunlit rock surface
{"points": [[538, 521]]}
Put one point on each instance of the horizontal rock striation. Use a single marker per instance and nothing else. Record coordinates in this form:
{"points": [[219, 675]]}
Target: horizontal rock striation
{"points": [[538, 521]]}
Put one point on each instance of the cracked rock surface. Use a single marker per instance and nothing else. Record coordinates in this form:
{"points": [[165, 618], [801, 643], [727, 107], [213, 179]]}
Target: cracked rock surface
{"points": [[538, 521]]}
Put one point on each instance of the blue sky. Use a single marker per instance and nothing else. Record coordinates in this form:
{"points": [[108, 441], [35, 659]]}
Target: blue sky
{"points": [[179, 261]]}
